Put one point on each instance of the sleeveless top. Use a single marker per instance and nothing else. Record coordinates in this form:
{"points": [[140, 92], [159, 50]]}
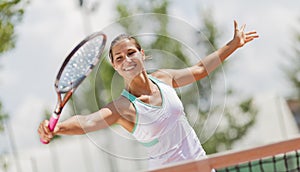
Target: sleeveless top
{"points": [[164, 130]]}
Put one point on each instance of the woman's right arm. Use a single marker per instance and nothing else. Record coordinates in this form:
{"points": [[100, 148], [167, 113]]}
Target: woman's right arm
{"points": [[80, 124]]}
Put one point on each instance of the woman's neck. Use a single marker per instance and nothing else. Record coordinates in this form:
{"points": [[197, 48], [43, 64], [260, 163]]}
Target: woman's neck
{"points": [[140, 85]]}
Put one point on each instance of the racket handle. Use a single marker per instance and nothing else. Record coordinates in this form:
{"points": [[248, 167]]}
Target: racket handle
{"points": [[52, 123]]}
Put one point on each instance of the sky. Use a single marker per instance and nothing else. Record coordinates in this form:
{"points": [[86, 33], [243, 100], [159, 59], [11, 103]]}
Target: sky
{"points": [[50, 29]]}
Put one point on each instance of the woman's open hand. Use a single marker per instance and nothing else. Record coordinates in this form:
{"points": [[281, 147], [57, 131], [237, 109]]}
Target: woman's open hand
{"points": [[241, 37]]}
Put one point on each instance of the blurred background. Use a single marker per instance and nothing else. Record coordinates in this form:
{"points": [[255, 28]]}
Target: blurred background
{"points": [[251, 100]]}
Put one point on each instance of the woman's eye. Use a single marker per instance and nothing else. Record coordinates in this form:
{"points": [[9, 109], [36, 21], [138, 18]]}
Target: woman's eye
{"points": [[118, 58], [131, 53]]}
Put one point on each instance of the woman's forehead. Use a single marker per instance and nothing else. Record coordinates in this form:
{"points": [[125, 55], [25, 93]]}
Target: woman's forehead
{"points": [[123, 45]]}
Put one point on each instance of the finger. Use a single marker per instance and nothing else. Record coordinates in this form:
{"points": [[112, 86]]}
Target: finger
{"points": [[253, 36], [45, 126], [248, 40], [243, 27], [45, 139], [45, 129], [236, 26], [250, 33], [42, 135], [41, 129]]}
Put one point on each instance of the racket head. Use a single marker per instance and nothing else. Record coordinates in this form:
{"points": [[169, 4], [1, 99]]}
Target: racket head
{"points": [[79, 63]]}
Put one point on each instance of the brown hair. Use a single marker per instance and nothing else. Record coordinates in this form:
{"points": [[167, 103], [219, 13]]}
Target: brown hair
{"points": [[120, 38]]}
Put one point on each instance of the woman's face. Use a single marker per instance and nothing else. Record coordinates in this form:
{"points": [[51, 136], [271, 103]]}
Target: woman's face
{"points": [[127, 59]]}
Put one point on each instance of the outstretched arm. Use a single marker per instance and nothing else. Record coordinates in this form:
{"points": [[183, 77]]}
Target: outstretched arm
{"points": [[80, 124], [204, 67]]}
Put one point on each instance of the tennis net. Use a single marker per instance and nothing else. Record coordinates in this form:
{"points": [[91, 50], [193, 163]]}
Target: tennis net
{"points": [[277, 157]]}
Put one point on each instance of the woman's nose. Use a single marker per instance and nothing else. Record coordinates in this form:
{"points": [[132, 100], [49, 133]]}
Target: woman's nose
{"points": [[128, 59]]}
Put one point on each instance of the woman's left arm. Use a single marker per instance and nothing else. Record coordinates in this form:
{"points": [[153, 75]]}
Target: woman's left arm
{"points": [[204, 67]]}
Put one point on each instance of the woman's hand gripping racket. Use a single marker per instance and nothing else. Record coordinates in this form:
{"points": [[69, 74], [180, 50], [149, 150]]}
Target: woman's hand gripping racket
{"points": [[76, 67]]}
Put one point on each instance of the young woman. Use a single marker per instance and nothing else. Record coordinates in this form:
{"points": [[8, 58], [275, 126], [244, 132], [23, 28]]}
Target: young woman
{"points": [[149, 107]]}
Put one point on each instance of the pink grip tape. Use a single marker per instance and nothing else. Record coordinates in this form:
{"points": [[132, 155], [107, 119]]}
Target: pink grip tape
{"points": [[52, 124]]}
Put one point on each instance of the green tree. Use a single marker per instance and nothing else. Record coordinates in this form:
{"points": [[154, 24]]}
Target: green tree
{"points": [[3, 116], [239, 116], [11, 14], [292, 69]]}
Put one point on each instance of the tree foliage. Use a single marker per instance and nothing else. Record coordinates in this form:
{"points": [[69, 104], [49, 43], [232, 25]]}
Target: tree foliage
{"points": [[3, 116], [292, 69], [11, 13]]}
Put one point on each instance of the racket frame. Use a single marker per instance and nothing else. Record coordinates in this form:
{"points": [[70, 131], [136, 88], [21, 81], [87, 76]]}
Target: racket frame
{"points": [[68, 94]]}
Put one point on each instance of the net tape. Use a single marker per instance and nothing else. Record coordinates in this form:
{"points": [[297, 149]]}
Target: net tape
{"points": [[286, 162]]}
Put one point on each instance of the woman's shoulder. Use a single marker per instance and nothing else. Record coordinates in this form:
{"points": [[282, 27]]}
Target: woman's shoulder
{"points": [[163, 75], [122, 105]]}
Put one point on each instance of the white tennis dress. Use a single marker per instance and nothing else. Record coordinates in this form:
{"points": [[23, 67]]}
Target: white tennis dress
{"points": [[164, 130]]}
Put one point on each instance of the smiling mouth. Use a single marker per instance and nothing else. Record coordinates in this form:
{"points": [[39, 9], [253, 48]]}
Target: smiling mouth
{"points": [[129, 68]]}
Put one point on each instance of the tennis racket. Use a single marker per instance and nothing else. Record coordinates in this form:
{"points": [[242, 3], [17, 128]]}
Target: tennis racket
{"points": [[76, 67]]}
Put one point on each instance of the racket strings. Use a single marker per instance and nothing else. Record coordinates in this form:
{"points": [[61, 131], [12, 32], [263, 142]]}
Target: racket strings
{"points": [[80, 64]]}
